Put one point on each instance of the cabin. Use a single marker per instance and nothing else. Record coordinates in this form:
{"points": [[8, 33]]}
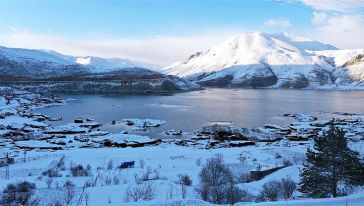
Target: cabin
{"points": [[6, 160]]}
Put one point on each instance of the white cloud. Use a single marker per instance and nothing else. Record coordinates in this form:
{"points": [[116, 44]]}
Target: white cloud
{"points": [[319, 18], [334, 5], [344, 31], [280, 22], [160, 50]]}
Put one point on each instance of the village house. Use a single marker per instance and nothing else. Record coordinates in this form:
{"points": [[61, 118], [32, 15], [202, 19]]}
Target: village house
{"points": [[6, 160]]}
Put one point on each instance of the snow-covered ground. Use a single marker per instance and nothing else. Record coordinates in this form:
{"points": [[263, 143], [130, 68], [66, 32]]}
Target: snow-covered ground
{"points": [[156, 162]]}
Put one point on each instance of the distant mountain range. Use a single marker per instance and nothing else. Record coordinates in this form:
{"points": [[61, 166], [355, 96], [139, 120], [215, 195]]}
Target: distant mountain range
{"points": [[284, 60], [250, 59], [50, 71]]}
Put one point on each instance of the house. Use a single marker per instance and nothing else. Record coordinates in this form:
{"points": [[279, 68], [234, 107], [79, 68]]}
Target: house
{"points": [[6, 160]]}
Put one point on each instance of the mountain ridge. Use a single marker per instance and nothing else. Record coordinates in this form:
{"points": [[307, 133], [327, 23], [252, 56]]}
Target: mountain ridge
{"points": [[52, 71], [256, 59]]}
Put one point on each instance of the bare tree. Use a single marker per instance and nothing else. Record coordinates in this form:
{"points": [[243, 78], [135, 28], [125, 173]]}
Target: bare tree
{"points": [[288, 187], [110, 165], [21, 193], [144, 191], [70, 192], [271, 191], [141, 163], [86, 197]]}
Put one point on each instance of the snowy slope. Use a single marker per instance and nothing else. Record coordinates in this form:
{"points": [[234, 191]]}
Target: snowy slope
{"points": [[349, 65], [83, 74], [256, 59], [302, 43], [26, 62], [240, 49]]}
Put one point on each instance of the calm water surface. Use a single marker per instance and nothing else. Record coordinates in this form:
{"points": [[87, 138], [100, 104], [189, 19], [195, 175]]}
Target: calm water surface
{"points": [[193, 110]]}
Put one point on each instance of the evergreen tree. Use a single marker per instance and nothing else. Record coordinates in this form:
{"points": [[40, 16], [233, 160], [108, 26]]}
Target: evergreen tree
{"points": [[329, 163]]}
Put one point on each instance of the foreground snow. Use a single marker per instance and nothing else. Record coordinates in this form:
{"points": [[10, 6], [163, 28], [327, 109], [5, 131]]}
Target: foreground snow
{"points": [[157, 162]]}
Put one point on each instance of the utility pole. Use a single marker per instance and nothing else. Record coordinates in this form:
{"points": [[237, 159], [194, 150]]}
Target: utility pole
{"points": [[7, 166], [25, 155]]}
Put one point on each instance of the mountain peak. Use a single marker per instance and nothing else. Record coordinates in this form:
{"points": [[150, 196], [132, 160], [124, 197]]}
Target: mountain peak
{"points": [[245, 48]]}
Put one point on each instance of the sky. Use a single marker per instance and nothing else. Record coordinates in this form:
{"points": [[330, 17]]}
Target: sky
{"points": [[161, 32]]}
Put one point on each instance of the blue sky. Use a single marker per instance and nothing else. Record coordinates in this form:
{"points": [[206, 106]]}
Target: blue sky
{"points": [[100, 27], [146, 18]]}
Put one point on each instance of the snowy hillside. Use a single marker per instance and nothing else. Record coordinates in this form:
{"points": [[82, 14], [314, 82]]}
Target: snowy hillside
{"points": [[256, 59], [302, 43], [28, 63], [240, 49], [29, 68]]}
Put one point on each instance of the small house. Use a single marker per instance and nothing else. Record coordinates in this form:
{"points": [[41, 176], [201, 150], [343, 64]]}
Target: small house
{"points": [[6, 160]]}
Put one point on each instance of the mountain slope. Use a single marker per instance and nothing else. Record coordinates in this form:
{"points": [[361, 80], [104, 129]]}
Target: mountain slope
{"points": [[241, 49], [59, 72], [255, 59], [302, 43]]}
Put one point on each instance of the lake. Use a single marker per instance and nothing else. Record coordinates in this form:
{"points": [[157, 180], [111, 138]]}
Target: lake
{"points": [[193, 110]]}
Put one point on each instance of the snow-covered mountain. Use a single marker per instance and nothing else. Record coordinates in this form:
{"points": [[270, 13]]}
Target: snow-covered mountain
{"points": [[116, 74], [301, 42], [47, 62], [256, 59]]}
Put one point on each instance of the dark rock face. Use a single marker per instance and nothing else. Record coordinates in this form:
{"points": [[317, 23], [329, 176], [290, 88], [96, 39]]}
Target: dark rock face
{"points": [[356, 60], [250, 76], [46, 72], [126, 80], [319, 75], [218, 82], [299, 82], [257, 82]]}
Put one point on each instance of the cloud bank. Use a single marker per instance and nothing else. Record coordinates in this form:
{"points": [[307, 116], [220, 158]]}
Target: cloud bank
{"points": [[160, 50], [279, 22]]}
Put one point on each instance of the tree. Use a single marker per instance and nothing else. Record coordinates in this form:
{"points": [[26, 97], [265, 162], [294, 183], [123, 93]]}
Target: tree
{"points": [[21, 193], [217, 184], [329, 163]]}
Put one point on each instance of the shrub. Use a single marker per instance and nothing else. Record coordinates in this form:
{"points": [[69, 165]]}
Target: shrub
{"points": [[70, 192], [217, 183], [79, 170], [235, 194], [51, 173], [144, 191], [277, 155], [287, 163], [110, 165], [274, 190], [19, 194], [198, 162], [288, 187], [141, 163], [271, 191], [184, 179]]}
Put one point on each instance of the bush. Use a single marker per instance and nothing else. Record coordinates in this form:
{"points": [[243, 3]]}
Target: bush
{"points": [[184, 179], [51, 173], [288, 187], [144, 191], [110, 165], [79, 170], [70, 192], [271, 191], [235, 194], [217, 184], [274, 190], [19, 194], [287, 163]]}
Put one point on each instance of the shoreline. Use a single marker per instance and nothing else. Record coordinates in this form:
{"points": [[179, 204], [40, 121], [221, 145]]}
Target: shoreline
{"points": [[82, 143]]}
